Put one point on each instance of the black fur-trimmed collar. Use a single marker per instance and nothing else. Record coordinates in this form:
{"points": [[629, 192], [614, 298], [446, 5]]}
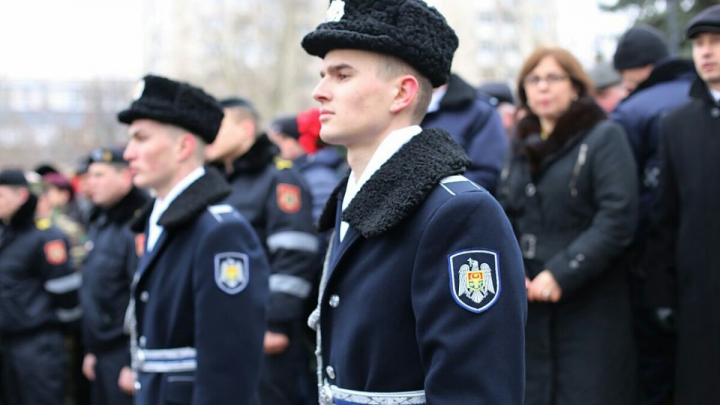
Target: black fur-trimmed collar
{"points": [[25, 215], [209, 189], [459, 94], [395, 191], [124, 209], [582, 115], [257, 158]]}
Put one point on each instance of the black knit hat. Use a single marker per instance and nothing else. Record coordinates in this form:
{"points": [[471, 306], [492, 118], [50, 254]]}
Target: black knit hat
{"points": [[707, 20], [407, 29], [13, 177], [175, 103], [640, 46], [287, 126], [111, 155]]}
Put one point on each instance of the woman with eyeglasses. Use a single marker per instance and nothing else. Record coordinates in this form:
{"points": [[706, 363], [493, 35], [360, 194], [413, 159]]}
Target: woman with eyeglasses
{"points": [[570, 191]]}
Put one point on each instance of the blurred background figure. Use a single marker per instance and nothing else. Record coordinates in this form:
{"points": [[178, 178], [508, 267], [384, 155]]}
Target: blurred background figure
{"points": [[298, 138], [274, 198], [658, 82], [609, 88], [501, 97], [474, 124], [39, 294], [683, 259], [108, 272], [569, 192]]}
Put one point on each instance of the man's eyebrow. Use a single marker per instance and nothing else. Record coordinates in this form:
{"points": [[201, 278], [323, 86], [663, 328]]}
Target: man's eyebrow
{"points": [[339, 66]]}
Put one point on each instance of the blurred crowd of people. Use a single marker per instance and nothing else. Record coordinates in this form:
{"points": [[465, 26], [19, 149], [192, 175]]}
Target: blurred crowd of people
{"points": [[607, 177]]}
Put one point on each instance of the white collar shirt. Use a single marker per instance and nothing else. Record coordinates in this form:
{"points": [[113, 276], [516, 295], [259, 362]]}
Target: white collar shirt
{"points": [[388, 147], [436, 98], [715, 95], [162, 204]]}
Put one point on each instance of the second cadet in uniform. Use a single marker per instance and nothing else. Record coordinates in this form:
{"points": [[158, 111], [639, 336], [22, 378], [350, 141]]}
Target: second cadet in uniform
{"points": [[38, 292], [423, 296], [276, 201], [199, 293], [107, 273]]}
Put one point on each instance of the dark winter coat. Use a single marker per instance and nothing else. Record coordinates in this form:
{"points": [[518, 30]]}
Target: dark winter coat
{"points": [[107, 273], [322, 171], [198, 300], [683, 256], [38, 283], [476, 126], [274, 198], [572, 200], [392, 316], [639, 115]]}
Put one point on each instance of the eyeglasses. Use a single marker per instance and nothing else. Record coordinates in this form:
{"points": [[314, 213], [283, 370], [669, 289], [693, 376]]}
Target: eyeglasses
{"points": [[552, 78]]}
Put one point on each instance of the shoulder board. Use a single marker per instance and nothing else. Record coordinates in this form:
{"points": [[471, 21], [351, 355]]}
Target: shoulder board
{"points": [[283, 164], [221, 212], [458, 184], [43, 223]]}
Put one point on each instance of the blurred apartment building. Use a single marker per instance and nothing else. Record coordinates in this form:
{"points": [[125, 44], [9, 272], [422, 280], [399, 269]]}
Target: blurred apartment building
{"points": [[58, 121]]}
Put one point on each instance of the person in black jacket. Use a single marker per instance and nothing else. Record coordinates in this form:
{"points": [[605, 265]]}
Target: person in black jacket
{"points": [[683, 259], [107, 273], [273, 197], [38, 292]]}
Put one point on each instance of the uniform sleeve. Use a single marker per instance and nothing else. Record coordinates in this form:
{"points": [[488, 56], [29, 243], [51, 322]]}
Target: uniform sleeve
{"points": [[615, 196], [660, 254], [487, 148], [468, 355], [62, 281], [230, 316], [292, 246]]}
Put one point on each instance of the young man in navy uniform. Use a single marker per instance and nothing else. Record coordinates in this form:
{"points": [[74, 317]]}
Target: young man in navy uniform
{"points": [[38, 292], [199, 294], [107, 271], [278, 205], [423, 296]]}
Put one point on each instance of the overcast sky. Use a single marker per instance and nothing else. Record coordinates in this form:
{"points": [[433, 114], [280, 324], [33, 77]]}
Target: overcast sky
{"points": [[84, 39]]}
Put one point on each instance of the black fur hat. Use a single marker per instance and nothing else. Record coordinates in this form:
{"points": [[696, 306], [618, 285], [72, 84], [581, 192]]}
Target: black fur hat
{"points": [[175, 103], [407, 29]]}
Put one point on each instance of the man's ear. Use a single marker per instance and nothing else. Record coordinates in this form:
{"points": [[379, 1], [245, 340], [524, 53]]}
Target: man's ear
{"points": [[187, 146], [406, 92]]}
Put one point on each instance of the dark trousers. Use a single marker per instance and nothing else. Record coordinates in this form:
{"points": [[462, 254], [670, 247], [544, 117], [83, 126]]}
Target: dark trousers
{"points": [[279, 378], [105, 389], [655, 350], [34, 366]]}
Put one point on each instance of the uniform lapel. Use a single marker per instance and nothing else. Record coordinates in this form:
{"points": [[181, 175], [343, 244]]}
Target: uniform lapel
{"points": [[148, 258], [340, 248]]}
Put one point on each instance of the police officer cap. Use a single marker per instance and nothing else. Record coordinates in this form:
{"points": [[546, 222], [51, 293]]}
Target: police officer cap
{"points": [[407, 29], [497, 92], [175, 103], [13, 177], [707, 21], [107, 155]]}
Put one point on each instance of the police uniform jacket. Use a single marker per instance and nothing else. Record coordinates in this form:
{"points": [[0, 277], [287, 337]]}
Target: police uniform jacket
{"points": [[107, 273], [396, 314], [199, 301], [272, 196], [683, 259], [572, 200], [38, 284]]}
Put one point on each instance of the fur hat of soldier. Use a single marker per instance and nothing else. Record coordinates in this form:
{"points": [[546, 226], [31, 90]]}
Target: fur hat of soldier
{"points": [[407, 29], [176, 103]]}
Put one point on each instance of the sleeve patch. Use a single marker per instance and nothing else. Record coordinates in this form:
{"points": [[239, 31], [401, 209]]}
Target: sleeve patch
{"points": [[232, 272], [288, 198], [56, 252], [474, 279]]}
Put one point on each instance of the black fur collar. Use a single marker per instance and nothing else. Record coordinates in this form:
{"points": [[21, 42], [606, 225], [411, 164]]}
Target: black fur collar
{"points": [[257, 158], [582, 115], [459, 94], [25, 215], [124, 209], [207, 190], [395, 191]]}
